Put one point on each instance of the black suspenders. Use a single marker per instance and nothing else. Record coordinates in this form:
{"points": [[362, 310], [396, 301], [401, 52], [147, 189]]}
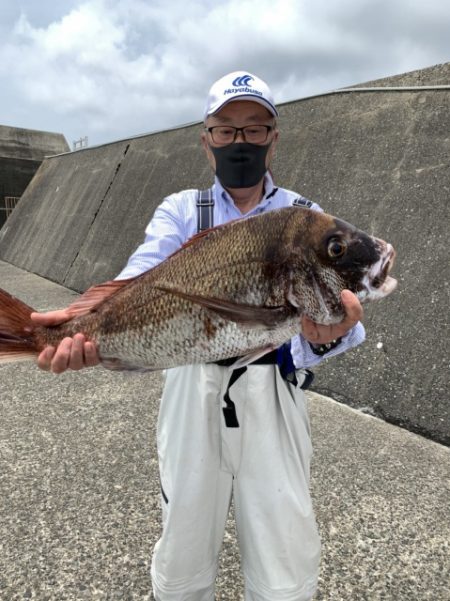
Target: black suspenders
{"points": [[301, 201], [205, 208]]}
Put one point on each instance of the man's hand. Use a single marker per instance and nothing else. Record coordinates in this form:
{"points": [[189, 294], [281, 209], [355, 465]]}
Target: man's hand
{"points": [[320, 334], [71, 353]]}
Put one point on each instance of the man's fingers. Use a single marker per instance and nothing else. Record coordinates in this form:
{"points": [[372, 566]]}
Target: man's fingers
{"points": [[316, 333], [61, 359], [352, 306], [45, 358], [307, 329], [71, 353], [76, 359], [90, 354], [51, 318], [353, 314], [323, 334]]}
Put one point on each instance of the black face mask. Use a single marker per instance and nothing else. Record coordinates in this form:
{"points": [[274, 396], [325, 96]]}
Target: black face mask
{"points": [[240, 165]]}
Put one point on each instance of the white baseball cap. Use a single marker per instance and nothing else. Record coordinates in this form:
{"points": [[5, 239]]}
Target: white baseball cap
{"points": [[239, 85]]}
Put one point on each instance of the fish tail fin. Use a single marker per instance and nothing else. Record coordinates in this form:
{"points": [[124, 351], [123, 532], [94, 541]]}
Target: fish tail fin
{"points": [[17, 342]]}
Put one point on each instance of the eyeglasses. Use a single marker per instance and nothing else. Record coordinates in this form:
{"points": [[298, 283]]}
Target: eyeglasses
{"points": [[227, 134]]}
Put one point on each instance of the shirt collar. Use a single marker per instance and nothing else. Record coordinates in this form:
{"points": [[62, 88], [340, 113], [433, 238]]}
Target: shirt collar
{"points": [[269, 190]]}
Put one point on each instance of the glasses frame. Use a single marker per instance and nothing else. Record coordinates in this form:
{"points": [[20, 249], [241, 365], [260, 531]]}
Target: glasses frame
{"points": [[269, 128]]}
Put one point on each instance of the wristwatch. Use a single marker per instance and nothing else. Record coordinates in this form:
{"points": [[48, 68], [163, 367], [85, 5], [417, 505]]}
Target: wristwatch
{"points": [[323, 349]]}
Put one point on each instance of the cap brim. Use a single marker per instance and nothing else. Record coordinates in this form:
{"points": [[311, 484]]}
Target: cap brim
{"points": [[252, 97]]}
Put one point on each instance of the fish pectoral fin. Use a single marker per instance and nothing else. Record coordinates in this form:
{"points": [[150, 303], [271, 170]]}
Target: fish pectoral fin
{"points": [[248, 315], [95, 296]]}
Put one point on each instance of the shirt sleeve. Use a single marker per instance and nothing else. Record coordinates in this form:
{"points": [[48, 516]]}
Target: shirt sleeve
{"points": [[303, 355], [165, 233]]}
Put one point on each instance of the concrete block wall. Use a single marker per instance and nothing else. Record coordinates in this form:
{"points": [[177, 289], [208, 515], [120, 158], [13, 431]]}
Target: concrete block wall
{"points": [[21, 153]]}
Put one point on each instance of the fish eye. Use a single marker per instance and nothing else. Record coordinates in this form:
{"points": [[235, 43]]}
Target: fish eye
{"points": [[336, 248]]}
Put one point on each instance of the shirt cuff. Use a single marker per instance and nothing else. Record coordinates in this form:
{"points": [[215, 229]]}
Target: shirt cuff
{"points": [[303, 355]]}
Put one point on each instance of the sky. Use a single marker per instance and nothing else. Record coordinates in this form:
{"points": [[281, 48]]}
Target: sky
{"points": [[110, 70]]}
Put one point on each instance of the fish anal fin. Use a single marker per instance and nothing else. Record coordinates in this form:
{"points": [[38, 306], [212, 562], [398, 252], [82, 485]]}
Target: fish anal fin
{"points": [[251, 357], [95, 296], [116, 364]]}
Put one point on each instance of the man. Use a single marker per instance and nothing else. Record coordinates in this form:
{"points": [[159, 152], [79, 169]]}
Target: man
{"points": [[222, 432]]}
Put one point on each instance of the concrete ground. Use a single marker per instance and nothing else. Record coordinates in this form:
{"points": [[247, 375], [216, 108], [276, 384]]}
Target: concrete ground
{"points": [[79, 489]]}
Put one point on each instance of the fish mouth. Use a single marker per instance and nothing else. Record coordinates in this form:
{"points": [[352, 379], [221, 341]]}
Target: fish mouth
{"points": [[377, 282]]}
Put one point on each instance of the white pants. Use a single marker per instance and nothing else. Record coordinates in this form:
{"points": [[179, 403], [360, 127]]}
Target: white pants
{"points": [[264, 463]]}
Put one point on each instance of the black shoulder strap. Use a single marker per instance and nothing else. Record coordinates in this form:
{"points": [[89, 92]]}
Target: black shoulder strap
{"points": [[205, 210], [301, 201]]}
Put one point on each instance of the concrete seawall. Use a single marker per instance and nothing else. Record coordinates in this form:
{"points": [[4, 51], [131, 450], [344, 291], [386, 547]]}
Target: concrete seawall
{"points": [[378, 159]]}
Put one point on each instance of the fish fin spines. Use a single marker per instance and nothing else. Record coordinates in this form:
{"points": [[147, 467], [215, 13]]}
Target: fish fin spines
{"points": [[95, 296], [11, 352], [193, 240], [16, 328], [14, 315]]}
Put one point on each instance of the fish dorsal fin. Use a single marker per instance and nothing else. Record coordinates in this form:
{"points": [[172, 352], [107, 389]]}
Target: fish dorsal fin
{"points": [[196, 237], [95, 296], [200, 235]]}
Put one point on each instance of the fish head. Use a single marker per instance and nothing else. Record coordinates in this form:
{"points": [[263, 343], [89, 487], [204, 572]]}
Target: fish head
{"points": [[340, 257], [361, 262]]}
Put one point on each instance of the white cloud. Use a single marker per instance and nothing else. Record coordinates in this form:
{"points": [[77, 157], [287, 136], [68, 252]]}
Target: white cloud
{"points": [[111, 70]]}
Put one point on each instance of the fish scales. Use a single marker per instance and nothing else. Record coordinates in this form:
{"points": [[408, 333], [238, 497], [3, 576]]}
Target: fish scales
{"points": [[167, 330], [238, 289]]}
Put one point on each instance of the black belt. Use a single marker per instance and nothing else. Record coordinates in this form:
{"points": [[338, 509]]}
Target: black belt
{"points": [[267, 359], [271, 358]]}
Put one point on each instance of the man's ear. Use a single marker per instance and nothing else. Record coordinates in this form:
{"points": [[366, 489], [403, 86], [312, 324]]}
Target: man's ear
{"points": [[272, 148], [203, 138], [207, 149], [276, 135]]}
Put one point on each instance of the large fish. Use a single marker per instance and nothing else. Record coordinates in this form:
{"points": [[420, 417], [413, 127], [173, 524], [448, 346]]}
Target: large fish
{"points": [[237, 290]]}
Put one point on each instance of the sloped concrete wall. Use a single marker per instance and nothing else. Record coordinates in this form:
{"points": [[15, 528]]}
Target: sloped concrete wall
{"points": [[94, 205], [377, 159]]}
